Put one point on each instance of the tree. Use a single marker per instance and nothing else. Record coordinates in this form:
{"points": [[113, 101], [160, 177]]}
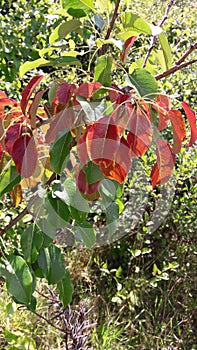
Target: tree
{"points": [[67, 147]]}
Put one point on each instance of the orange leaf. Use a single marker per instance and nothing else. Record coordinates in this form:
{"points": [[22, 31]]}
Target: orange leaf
{"points": [[140, 132], [119, 168], [179, 130], [102, 140], [162, 106], [192, 122], [162, 170]]}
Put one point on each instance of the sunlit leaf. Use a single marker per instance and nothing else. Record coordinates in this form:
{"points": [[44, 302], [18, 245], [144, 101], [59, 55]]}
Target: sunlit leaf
{"points": [[143, 82], [135, 22], [29, 65], [166, 49], [28, 90], [34, 107], [139, 132], [162, 170], [127, 45], [179, 129], [63, 29], [192, 122], [103, 70]]}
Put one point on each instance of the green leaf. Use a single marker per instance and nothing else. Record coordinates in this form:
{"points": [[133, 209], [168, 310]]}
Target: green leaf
{"points": [[18, 278], [166, 50], [65, 61], [143, 81], [8, 180], [59, 206], [73, 198], [31, 242], [87, 234], [52, 263], [112, 216], [77, 8], [93, 173], [59, 151], [103, 70], [65, 288], [61, 31], [29, 65], [135, 22]]}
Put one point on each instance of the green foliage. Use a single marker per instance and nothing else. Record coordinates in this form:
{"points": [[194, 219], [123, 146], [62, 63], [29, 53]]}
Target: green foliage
{"points": [[141, 277]]}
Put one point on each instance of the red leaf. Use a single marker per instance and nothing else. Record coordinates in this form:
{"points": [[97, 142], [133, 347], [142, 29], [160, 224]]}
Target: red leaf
{"points": [[127, 45], [12, 134], [140, 132], [64, 93], [192, 122], [87, 90], [114, 92], [102, 140], [82, 148], [82, 184], [62, 120], [162, 106], [162, 170], [24, 155], [119, 168], [26, 94], [34, 106], [179, 130]]}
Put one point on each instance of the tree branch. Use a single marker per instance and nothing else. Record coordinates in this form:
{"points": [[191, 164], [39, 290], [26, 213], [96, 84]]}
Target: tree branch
{"points": [[154, 38], [174, 69], [103, 49]]}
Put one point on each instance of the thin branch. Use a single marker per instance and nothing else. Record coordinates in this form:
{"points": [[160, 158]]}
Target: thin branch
{"points": [[187, 53], [19, 216], [49, 322], [103, 49], [174, 69], [154, 38]]}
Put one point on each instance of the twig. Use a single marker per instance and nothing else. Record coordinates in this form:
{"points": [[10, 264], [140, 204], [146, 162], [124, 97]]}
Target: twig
{"points": [[19, 216], [49, 322], [154, 38], [187, 53], [103, 49], [174, 69]]}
